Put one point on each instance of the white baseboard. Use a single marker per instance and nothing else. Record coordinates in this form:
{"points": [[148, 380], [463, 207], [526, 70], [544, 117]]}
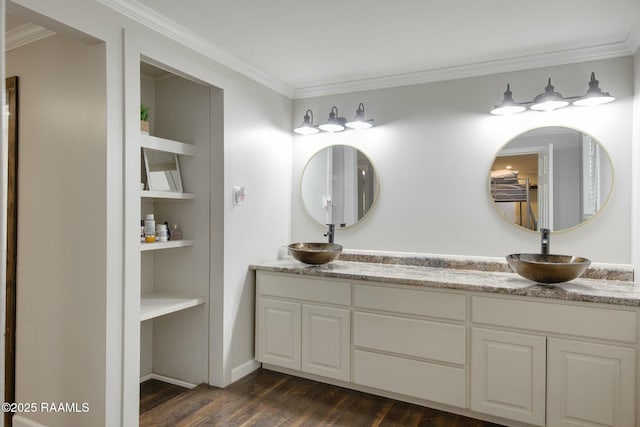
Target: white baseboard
{"points": [[168, 380], [20, 421], [244, 369]]}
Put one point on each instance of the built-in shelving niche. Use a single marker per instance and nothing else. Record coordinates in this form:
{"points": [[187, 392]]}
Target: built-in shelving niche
{"points": [[175, 276]]}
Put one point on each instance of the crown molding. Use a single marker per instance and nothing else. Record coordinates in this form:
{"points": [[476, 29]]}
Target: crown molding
{"points": [[606, 51], [161, 24], [633, 40], [25, 34]]}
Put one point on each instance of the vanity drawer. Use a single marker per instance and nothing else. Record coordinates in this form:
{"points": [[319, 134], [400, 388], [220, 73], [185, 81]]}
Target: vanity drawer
{"points": [[591, 322], [423, 380], [411, 337], [409, 301], [303, 288]]}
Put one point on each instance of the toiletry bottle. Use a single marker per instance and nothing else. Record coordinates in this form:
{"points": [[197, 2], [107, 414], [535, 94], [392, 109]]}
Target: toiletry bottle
{"points": [[142, 230], [161, 233], [150, 229], [168, 230], [176, 234]]}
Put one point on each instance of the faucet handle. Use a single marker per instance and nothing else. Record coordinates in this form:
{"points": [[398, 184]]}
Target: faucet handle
{"points": [[545, 235], [330, 232]]}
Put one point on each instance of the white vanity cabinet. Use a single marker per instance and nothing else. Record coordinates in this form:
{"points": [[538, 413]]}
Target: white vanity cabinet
{"points": [[300, 324], [509, 359], [538, 375], [508, 375], [411, 342], [278, 338], [590, 384]]}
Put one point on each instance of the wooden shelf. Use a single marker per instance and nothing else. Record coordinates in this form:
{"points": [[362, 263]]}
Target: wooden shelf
{"points": [[161, 144], [157, 304], [167, 195], [165, 245]]}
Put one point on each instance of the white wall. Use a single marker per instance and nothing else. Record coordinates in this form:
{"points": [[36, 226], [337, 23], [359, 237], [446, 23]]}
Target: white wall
{"points": [[256, 154], [635, 158], [61, 275], [433, 146]]}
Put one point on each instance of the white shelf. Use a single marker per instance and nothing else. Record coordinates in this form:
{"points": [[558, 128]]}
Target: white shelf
{"points": [[156, 304], [165, 245], [161, 144], [167, 195]]}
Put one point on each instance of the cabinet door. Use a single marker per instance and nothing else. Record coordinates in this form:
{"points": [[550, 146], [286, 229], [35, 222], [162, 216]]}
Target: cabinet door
{"points": [[278, 333], [508, 375], [326, 341], [590, 384]]}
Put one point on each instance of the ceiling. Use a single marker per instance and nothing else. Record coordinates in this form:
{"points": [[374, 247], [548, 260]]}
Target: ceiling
{"points": [[308, 44], [305, 49]]}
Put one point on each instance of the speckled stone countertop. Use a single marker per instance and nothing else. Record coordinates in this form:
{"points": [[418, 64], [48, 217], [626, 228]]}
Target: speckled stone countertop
{"points": [[618, 292]]}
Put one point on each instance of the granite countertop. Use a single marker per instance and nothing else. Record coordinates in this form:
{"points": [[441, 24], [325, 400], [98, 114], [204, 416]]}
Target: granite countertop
{"points": [[618, 292]]}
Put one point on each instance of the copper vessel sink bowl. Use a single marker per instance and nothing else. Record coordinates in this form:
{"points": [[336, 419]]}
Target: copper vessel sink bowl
{"points": [[548, 268], [315, 253]]}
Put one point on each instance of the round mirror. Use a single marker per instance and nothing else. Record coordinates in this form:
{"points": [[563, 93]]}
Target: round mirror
{"points": [[339, 186], [551, 177]]}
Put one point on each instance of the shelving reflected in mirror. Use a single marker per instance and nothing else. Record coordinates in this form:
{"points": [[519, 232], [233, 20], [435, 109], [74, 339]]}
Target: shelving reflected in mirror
{"points": [[339, 186], [551, 177]]}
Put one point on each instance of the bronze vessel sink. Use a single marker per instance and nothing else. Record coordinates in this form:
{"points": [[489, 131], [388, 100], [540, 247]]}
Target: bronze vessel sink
{"points": [[315, 253], [548, 268]]}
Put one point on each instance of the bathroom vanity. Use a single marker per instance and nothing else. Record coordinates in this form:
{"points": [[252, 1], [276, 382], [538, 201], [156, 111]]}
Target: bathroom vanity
{"points": [[465, 337]]}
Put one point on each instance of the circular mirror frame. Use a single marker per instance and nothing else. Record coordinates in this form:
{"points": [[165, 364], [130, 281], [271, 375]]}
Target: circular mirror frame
{"points": [[580, 224], [375, 194]]}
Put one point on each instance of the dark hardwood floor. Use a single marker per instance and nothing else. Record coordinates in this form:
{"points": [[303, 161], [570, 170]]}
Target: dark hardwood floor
{"points": [[267, 398]]}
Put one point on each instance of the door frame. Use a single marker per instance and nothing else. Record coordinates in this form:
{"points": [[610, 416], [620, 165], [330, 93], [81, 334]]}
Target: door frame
{"points": [[12, 99], [541, 151]]}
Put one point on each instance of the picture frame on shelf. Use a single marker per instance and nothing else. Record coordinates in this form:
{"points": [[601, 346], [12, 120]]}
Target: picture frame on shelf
{"points": [[162, 170]]}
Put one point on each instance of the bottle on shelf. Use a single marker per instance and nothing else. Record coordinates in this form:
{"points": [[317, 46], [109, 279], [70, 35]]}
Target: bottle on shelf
{"points": [[150, 228], [176, 234], [142, 230], [162, 233], [166, 224]]}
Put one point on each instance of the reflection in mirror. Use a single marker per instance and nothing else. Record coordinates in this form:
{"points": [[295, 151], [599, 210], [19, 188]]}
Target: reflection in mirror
{"points": [[339, 185], [163, 171], [551, 177]]}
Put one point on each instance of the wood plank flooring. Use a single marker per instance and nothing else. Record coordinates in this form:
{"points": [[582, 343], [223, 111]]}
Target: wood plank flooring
{"points": [[266, 398]]}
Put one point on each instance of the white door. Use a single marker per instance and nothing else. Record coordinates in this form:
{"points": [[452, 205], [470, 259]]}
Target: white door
{"points": [[590, 384], [508, 375], [545, 187], [278, 333], [326, 341]]}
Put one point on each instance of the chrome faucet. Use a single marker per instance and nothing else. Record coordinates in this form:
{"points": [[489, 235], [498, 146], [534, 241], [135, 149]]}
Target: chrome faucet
{"points": [[545, 238], [330, 232]]}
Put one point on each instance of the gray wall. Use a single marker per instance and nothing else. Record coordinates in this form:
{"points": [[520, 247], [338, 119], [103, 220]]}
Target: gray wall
{"points": [[61, 319], [635, 157], [433, 146], [256, 154]]}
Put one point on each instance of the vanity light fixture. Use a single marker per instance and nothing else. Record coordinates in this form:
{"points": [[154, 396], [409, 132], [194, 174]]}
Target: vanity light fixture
{"points": [[359, 121], [551, 100], [508, 105], [307, 127], [594, 95], [335, 123]]}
